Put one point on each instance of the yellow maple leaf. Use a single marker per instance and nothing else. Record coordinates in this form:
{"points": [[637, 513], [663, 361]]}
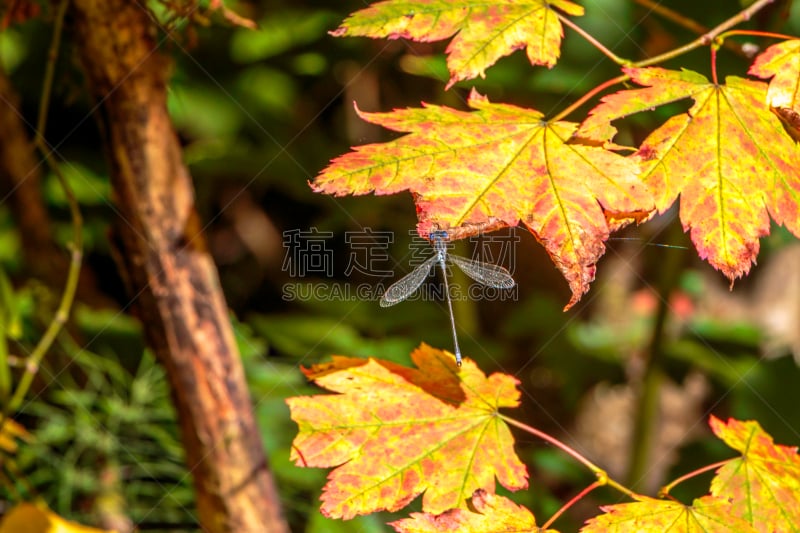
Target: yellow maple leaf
{"points": [[485, 32], [394, 432], [500, 163], [728, 157]]}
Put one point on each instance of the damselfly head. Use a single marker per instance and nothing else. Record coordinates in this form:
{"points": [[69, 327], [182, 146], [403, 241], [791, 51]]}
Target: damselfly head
{"points": [[438, 235]]}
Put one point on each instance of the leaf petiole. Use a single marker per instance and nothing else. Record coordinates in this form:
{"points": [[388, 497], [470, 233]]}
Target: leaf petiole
{"points": [[664, 491], [602, 476], [756, 33], [588, 96], [708, 38], [569, 504]]}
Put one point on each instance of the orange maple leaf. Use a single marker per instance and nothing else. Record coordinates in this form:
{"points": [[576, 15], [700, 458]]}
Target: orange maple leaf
{"points": [[705, 515], [486, 32], [782, 61], [728, 158], [398, 432], [489, 513], [500, 162], [764, 484]]}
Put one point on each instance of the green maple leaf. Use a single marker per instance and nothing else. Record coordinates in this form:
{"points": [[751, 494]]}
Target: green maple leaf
{"points": [[486, 31]]}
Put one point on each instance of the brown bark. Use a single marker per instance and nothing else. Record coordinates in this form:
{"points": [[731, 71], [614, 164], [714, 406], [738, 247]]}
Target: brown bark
{"points": [[162, 256]]}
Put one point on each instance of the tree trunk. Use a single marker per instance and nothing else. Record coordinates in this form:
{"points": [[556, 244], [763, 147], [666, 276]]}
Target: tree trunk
{"points": [[162, 257]]}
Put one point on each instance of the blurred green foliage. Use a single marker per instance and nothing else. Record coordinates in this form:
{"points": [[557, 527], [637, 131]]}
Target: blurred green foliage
{"points": [[259, 114]]}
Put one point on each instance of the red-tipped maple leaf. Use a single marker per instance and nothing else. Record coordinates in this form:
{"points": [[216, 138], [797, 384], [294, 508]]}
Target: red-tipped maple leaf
{"points": [[764, 484], [783, 62], [486, 31], [396, 432], [705, 515], [728, 158], [499, 162], [489, 513]]}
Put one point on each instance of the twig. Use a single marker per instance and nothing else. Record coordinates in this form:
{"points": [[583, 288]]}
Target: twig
{"points": [[708, 37], [705, 39], [600, 474], [686, 22], [672, 15], [586, 97], [49, 74], [76, 247], [578, 497]]}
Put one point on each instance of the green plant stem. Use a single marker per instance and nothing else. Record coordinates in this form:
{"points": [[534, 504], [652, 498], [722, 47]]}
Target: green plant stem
{"points": [[49, 75], [646, 418], [76, 247], [601, 475], [588, 96], [664, 491]]}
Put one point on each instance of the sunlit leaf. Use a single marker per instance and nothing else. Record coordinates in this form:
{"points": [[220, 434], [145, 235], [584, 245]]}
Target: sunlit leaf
{"points": [[705, 515], [728, 158], [396, 432], [782, 61], [489, 513], [764, 484], [500, 162], [485, 32]]}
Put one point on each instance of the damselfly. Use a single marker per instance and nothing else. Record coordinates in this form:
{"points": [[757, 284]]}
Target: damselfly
{"points": [[484, 273]]}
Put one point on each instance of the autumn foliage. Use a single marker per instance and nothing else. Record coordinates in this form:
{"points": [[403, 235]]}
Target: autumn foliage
{"points": [[730, 160], [393, 433], [387, 410]]}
